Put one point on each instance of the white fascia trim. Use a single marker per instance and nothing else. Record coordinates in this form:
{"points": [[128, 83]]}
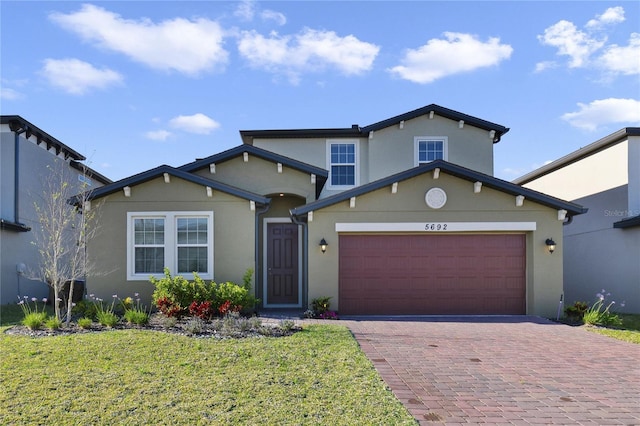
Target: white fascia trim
{"points": [[438, 227]]}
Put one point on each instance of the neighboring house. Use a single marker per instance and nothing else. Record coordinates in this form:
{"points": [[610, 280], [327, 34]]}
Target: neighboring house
{"points": [[601, 248], [413, 221], [26, 154]]}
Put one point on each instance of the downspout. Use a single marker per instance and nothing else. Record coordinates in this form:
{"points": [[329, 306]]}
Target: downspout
{"points": [[305, 258], [16, 171], [258, 271]]}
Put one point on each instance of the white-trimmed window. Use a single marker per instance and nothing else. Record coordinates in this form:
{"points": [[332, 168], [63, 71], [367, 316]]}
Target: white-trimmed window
{"points": [[342, 158], [181, 241], [429, 148]]}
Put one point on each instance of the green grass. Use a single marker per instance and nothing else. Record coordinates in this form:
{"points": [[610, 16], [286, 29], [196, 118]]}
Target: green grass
{"points": [[12, 314], [136, 377], [629, 331]]}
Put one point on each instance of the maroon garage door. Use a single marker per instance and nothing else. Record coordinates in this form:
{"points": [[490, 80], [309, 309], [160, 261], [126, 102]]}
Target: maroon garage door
{"points": [[432, 274]]}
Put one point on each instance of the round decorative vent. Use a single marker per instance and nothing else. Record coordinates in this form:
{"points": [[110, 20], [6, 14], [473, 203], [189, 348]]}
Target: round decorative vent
{"points": [[435, 198]]}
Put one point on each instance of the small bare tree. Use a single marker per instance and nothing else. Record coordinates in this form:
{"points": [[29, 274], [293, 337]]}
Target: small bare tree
{"points": [[66, 222]]}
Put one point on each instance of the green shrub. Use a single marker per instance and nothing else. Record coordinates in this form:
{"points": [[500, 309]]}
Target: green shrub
{"points": [[596, 315], [320, 305], [577, 310], [34, 320], [175, 295], [85, 322], [136, 316], [53, 323], [84, 308], [107, 318]]}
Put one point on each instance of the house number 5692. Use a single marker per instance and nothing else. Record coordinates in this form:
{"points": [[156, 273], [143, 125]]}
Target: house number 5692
{"points": [[435, 227]]}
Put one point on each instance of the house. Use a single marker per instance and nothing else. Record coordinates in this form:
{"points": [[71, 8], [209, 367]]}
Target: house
{"points": [[402, 216], [602, 247], [26, 155]]}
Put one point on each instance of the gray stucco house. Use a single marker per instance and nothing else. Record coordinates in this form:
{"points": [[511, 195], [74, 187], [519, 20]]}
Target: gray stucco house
{"points": [[403, 216], [602, 247], [26, 153]]}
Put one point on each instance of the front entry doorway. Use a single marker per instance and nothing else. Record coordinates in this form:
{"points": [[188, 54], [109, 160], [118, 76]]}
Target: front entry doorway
{"points": [[282, 265]]}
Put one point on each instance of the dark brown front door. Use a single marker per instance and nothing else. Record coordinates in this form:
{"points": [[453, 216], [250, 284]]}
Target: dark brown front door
{"points": [[282, 264]]}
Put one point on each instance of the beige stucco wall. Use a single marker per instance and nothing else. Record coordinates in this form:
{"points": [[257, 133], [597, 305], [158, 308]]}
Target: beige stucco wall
{"points": [[233, 227], [261, 177], [543, 271], [599, 172], [391, 150]]}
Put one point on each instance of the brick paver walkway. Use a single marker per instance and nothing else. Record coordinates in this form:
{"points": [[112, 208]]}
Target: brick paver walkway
{"points": [[504, 370]]}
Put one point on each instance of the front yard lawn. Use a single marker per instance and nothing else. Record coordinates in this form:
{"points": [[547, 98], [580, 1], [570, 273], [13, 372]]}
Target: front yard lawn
{"points": [[138, 377], [630, 331]]}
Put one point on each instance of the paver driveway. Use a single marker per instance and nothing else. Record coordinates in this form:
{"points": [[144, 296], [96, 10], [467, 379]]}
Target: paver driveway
{"points": [[503, 370]]}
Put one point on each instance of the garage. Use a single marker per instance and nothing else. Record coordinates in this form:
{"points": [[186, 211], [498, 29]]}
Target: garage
{"points": [[432, 274]]}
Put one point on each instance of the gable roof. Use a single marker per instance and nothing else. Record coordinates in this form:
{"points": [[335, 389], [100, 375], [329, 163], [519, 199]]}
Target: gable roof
{"points": [[159, 171], [19, 125], [575, 156], [321, 174], [451, 169], [359, 132]]}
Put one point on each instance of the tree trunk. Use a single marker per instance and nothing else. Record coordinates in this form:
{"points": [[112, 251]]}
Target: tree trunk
{"points": [[70, 302]]}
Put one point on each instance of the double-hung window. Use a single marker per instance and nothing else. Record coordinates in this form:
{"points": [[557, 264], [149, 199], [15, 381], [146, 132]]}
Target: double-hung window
{"points": [[428, 149], [180, 241], [342, 157]]}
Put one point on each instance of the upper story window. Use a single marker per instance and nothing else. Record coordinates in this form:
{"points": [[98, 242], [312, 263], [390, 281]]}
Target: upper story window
{"points": [[342, 158], [429, 148], [181, 241]]}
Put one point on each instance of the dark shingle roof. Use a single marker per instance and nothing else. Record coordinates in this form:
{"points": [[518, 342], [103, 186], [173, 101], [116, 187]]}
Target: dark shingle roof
{"points": [[357, 131], [451, 169], [159, 171], [321, 174], [19, 124]]}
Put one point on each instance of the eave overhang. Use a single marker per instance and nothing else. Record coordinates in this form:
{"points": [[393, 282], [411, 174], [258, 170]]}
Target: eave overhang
{"points": [[628, 222], [362, 132], [159, 172], [453, 170]]}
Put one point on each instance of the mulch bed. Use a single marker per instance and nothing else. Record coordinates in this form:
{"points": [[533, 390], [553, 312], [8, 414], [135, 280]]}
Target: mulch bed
{"points": [[183, 326]]}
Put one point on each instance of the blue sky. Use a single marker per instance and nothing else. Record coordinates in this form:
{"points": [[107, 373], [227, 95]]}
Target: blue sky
{"points": [[133, 85]]}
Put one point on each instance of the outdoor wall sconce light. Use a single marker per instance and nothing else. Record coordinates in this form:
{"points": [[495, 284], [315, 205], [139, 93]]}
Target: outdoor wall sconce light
{"points": [[323, 245], [551, 245]]}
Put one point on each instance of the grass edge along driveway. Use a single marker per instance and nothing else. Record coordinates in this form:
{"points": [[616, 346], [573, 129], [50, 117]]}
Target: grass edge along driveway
{"points": [[317, 376]]}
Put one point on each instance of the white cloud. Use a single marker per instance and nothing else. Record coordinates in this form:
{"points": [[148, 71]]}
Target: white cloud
{"points": [[613, 15], [604, 111], [196, 123], [277, 17], [245, 10], [78, 77], [583, 46], [570, 41], [186, 46], [454, 54], [9, 94], [308, 51], [623, 60], [545, 65], [158, 135]]}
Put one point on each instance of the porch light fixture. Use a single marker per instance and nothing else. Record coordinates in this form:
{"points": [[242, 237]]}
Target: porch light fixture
{"points": [[323, 245], [551, 245]]}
